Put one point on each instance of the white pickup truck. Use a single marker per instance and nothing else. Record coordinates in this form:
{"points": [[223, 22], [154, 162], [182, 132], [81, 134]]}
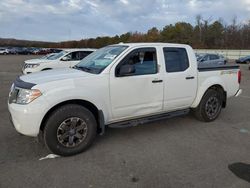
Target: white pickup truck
{"points": [[63, 59], [118, 86]]}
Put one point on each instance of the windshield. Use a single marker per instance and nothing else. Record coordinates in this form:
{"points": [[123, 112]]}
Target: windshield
{"points": [[200, 58], [47, 56], [97, 61], [56, 56]]}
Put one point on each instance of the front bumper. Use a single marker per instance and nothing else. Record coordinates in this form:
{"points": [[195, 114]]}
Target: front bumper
{"points": [[27, 119], [238, 93]]}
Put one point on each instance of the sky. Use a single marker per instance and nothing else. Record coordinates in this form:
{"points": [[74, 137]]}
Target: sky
{"points": [[61, 20]]}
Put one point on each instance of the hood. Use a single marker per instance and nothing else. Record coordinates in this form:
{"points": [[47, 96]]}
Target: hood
{"points": [[34, 61], [54, 75]]}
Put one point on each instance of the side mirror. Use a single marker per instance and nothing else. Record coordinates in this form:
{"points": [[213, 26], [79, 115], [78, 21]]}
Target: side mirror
{"points": [[127, 70], [65, 58]]}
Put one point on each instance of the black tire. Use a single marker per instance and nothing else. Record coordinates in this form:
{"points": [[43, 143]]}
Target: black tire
{"points": [[210, 106], [60, 131]]}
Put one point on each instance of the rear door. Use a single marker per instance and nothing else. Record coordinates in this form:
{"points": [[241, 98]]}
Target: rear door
{"points": [[73, 58], [180, 80], [140, 93]]}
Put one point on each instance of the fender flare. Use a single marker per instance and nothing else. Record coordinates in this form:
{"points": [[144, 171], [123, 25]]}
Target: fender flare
{"points": [[210, 82]]}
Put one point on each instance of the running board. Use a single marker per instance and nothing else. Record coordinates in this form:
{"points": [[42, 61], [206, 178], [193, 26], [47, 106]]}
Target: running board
{"points": [[139, 121]]}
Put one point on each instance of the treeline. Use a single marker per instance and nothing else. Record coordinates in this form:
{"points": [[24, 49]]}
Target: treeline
{"points": [[24, 43], [204, 34]]}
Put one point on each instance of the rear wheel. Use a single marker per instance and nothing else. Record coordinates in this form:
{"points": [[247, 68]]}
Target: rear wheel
{"points": [[70, 130], [210, 106]]}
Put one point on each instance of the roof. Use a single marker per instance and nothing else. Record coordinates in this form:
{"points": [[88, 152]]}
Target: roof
{"points": [[77, 49], [161, 44]]}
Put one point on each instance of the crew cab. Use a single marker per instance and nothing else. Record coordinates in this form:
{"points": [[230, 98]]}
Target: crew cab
{"points": [[63, 59], [118, 86]]}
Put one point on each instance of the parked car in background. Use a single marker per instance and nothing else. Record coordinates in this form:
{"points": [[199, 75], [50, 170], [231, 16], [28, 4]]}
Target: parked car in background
{"points": [[40, 58], [199, 55], [23, 51], [243, 60], [12, 50], [4, 51], [43, 51], [54, 50], [65, 58], [211, 59], [35, 51]]}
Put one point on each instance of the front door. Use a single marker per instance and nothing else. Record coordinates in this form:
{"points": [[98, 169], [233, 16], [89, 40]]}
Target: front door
{"points": [[140, 93], [71, 59]]}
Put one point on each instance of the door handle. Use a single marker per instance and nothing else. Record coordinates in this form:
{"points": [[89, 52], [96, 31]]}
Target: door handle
{"points": [[189, 77], [156, 81]]}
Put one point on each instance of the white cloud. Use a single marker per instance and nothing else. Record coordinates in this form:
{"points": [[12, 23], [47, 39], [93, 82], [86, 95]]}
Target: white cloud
{"points": [[75, 19], [125, 2]]}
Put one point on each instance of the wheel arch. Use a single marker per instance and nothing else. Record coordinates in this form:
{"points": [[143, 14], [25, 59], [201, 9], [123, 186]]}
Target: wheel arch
{"points": [[98, 114], [217, 87]]}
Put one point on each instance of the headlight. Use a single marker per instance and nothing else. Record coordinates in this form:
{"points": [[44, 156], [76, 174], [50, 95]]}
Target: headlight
{"points": [[31, 65], [25, 96]]}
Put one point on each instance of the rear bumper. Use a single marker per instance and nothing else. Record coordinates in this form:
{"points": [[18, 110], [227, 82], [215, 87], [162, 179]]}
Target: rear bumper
{"points": [[238, 92]]}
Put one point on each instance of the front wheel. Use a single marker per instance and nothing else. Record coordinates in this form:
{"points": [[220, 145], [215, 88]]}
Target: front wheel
{"points": [[70, 130], [210, 106]]}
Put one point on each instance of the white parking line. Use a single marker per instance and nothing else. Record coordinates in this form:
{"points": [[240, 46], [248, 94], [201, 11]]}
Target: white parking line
{"points": [[50, 156]]}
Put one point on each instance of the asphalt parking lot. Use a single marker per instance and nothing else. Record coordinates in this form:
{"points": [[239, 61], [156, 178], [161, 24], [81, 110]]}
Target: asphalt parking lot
{"points": [[179, 152]]}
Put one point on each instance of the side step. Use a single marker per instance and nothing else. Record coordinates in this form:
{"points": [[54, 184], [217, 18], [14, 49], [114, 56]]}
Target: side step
{"points": [[148, 119]]}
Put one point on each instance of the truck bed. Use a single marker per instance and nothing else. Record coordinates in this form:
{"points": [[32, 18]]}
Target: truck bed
{"points": [[225, 75]]}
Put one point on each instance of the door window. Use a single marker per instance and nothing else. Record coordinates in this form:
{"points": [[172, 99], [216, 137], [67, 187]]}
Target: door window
{"points": [[75, 56], [83, 54], [143, 60], [214, 57], [176, 59]]}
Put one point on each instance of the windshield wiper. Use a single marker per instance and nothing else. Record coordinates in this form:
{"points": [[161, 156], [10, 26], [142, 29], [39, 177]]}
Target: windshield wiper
{"points": [[86, 69]]}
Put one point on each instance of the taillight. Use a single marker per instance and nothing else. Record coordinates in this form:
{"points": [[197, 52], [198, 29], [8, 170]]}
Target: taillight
{"points": [[239, 76]]}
